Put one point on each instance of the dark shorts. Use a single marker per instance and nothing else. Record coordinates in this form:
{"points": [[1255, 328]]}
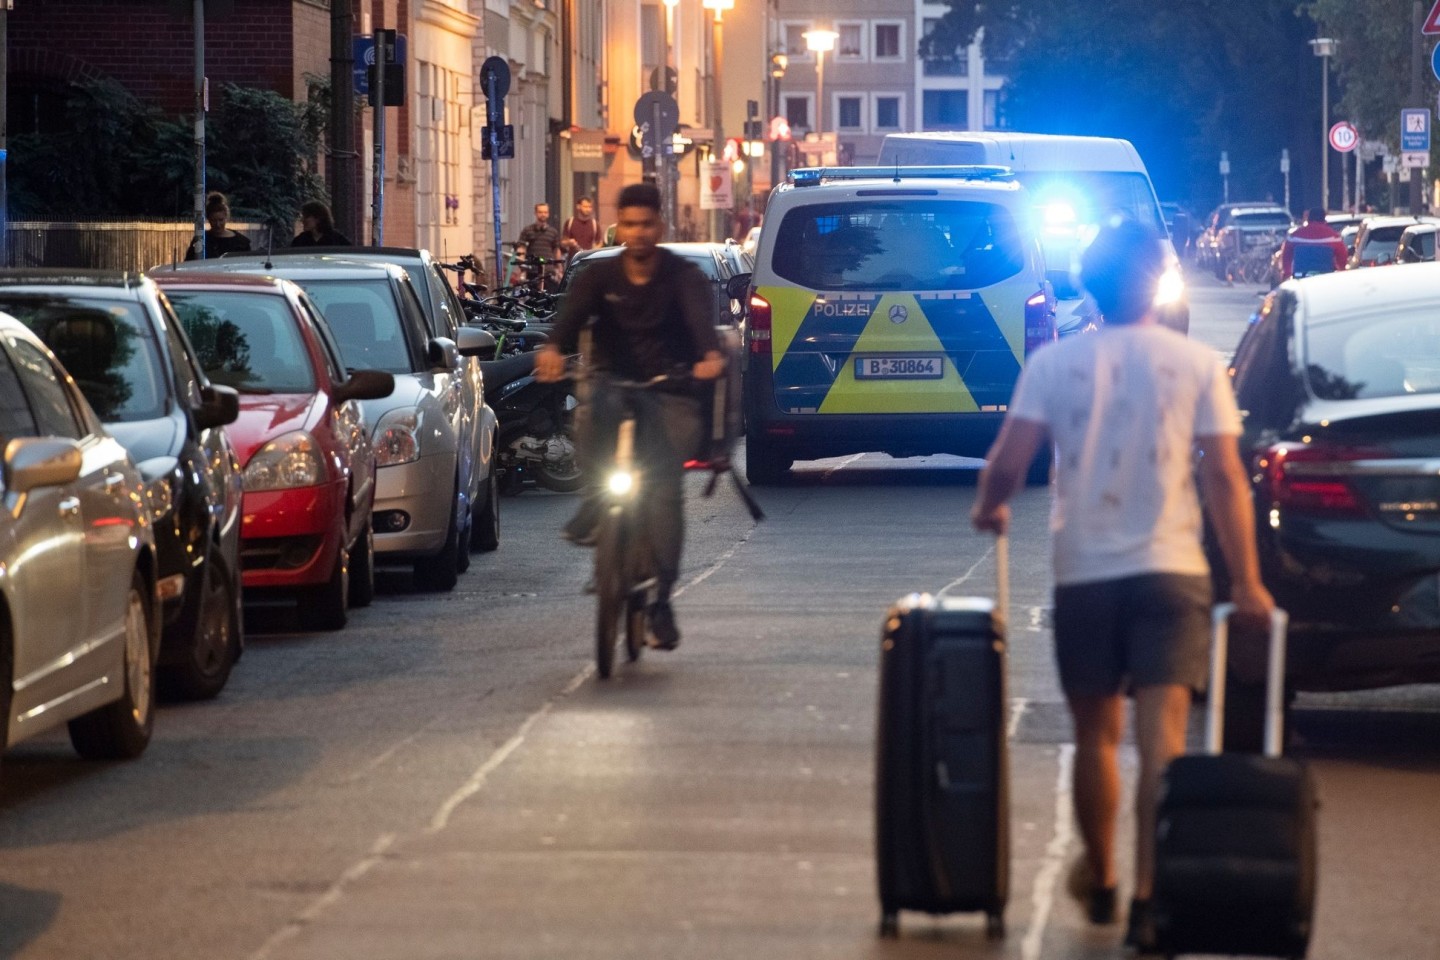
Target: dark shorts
{"points": [[1113, 636]]}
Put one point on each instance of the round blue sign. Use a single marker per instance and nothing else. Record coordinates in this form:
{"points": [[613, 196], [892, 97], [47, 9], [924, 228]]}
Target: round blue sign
{"points": [[1435, 62]]}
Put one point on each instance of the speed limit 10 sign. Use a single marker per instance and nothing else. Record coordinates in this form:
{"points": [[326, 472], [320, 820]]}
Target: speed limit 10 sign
{"points": [[1344, 137]]}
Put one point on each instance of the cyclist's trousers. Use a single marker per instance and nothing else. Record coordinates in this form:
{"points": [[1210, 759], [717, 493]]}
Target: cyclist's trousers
{"points": [[667, 433]]}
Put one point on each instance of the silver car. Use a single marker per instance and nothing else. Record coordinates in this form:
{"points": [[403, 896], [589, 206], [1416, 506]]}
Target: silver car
{"points": [[432, 462], [79, 632]]}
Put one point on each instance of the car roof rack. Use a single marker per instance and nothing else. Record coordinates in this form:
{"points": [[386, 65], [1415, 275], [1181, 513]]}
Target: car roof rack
{"points": [[812, 176]]}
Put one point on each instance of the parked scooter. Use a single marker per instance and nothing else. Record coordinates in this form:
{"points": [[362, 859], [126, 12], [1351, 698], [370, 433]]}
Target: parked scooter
{"points": [[536, 420]]}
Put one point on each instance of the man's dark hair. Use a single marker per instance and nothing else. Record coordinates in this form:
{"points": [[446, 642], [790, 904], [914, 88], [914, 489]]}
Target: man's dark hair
{"points": [[1121, 269], [640, 195], [1315, 215]]}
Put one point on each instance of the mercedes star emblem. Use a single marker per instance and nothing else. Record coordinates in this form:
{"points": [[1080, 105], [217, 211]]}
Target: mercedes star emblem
{"points": [[898, 313]]}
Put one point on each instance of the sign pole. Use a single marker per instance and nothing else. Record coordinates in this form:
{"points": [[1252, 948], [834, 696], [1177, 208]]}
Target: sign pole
{"points": [[199, 182], [377, 234], [493, 132]]}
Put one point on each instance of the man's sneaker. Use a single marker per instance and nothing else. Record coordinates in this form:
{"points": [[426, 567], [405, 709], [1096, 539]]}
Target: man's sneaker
{"points": [[664, 635], [1098, 902], [583, 528], [1140, 932]]}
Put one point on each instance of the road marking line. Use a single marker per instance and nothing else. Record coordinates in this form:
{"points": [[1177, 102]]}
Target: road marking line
{"points": [[1018, 706], [841, 465], [968, 573], [705, 574], [1042, 894], [310, 913]]}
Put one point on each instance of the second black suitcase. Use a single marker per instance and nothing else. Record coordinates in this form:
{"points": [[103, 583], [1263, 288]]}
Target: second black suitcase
{"points": [[1235, 857], [942, 817]]}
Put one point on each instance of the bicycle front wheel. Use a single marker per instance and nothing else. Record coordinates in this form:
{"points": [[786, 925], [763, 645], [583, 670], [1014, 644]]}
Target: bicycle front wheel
{"points": [[611, 591]]}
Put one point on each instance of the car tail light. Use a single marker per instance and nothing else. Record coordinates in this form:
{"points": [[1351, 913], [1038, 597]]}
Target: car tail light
{"points": [[1039, 322], [1312, 479], [758, 323]]}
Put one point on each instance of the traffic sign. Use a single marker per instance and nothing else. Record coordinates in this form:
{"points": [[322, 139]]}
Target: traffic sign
{"points": [[497, 69], [669, 82], [363, 50], [1344, 137], [1435, 62], [1415, 161], [657, 113], [1431, 26], [1415, 130]]}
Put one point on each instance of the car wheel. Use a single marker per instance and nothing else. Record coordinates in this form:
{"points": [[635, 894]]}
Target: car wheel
{"points": [[216, 644], [440, 573], [326, 607], [485, 524], [121, 730], [362, 571], [764, 465]]}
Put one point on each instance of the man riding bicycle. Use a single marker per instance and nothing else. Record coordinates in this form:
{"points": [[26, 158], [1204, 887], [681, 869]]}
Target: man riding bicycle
{"points": [[649, 312]]}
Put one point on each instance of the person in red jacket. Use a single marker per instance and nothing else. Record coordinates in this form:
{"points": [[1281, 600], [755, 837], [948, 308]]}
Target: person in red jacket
{"points": [[1312, 247]]}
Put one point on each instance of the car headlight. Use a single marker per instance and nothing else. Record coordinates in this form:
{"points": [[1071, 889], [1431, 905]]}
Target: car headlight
{"points": [[1171, 287], [397, 438], [285, 463]]}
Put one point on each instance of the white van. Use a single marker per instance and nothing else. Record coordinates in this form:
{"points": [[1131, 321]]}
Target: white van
{"points": [[1074, 183]]}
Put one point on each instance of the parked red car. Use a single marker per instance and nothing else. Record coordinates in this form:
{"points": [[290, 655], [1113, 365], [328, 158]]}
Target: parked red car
{"points": [[309, 467]]}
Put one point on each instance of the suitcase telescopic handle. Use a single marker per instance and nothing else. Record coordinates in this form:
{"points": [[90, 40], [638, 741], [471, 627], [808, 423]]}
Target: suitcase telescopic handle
{"points": [[1002, 577], [1274, 680]]}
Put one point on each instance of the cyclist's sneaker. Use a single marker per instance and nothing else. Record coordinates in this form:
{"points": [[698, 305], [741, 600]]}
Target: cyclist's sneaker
{"points": [[582, 528], [664, 635], [1140, 934], [1097, 901]]}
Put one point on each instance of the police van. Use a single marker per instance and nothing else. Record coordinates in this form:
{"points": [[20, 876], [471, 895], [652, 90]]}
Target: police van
{"points": [[891, 311], [1075, 183]]}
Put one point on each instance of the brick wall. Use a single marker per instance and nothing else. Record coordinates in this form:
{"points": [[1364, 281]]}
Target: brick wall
{"points": [[149, 49]]}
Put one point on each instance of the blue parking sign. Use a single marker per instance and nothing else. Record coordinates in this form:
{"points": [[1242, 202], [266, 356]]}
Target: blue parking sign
{"points": [[363, 49], [1415, 131]]}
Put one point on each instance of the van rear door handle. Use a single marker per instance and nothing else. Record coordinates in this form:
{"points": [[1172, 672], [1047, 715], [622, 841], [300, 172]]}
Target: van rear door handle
{"points": [[70, 507], [113, 482]]}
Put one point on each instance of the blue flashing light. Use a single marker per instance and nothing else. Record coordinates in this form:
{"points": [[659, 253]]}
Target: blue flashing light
{"points": [[811, 176]]}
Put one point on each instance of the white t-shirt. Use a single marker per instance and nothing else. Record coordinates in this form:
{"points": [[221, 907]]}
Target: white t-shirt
{"points": [[1124, 406]]}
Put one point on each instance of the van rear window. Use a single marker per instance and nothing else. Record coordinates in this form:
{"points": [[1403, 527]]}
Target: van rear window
{"points": [[910, 245]]}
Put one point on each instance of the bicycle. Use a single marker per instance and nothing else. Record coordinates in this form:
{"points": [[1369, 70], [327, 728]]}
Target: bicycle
{"points": [[625, 580]]}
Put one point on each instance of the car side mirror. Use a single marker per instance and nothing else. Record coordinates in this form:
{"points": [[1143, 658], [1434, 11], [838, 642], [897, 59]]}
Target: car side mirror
{"points": [[738, 286], [442, 354], [32, 462], [218, 406], [364, 385], [473, 342]]}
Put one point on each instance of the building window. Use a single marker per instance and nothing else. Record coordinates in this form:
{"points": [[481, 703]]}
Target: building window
{"points": [[850, 112], [955, 65], [795, 46], [797, 112], [888, 40], [652, 36], [994, 110], [851, 45], [887, 113], [946, 110]]}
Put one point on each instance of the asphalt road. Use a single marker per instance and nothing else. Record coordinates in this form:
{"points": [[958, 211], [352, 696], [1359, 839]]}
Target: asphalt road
{"points": [[446, 778]]}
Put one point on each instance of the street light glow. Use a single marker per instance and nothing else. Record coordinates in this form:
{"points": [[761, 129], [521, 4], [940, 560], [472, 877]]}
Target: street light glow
{"points": [[1324, 46], [716, 5], [817, 41]]}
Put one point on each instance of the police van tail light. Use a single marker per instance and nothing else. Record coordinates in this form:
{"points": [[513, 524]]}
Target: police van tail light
{"points": [[758, 324], [1039, 322], [1312, 479]]}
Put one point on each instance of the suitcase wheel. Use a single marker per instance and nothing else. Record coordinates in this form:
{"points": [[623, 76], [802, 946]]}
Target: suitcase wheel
{"points": [[995, 926], [890, 925]]}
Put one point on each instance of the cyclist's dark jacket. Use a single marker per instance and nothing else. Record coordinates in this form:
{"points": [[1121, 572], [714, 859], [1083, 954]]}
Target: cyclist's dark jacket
{"points": [[640, 331]]}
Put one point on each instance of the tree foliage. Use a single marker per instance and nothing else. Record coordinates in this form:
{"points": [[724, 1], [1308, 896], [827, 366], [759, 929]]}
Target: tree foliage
{"points": [[117, 157], [1183, 79], [1372, 62]]}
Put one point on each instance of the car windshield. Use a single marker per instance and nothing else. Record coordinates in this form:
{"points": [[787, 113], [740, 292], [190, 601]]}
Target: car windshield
{"points": [[1387, 350], [108, 346], [1261, 220], [366, 322], [891, 245], [248, 341], [1380, 244]]}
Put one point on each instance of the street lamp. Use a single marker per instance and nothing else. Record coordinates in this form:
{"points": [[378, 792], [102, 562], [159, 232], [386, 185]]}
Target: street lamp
{"points": [[820, 42], [1324, 48], [717, 54]]}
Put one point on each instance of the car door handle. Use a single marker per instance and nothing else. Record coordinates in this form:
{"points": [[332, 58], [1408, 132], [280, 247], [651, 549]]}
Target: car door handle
{"points": [[70, 507], [113, 482]]}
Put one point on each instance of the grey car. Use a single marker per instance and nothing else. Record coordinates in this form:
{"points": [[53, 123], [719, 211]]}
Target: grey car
{"points": [[433, 466], [79, 626]]}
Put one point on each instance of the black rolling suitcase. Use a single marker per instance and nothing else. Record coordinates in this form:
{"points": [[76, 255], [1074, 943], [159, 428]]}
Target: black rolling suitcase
{"points": [[1235, 860], [942, 816]]}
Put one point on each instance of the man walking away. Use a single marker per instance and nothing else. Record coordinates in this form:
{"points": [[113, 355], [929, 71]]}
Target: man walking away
{"points": [[1312, 247], [1125, 408]]}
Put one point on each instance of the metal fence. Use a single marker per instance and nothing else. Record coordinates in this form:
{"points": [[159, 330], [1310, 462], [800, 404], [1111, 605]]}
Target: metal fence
{"points": [[119, 245]]}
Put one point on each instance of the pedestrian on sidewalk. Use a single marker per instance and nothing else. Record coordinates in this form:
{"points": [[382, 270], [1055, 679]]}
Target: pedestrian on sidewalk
{"points": [[542, 241], [219, 238], [318, 228], [580, 232], [1125, 408]]}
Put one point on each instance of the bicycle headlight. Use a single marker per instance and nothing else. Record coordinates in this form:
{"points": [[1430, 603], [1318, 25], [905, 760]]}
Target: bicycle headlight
{"points": [[397, 438], [621, 482], [286, 463]]}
